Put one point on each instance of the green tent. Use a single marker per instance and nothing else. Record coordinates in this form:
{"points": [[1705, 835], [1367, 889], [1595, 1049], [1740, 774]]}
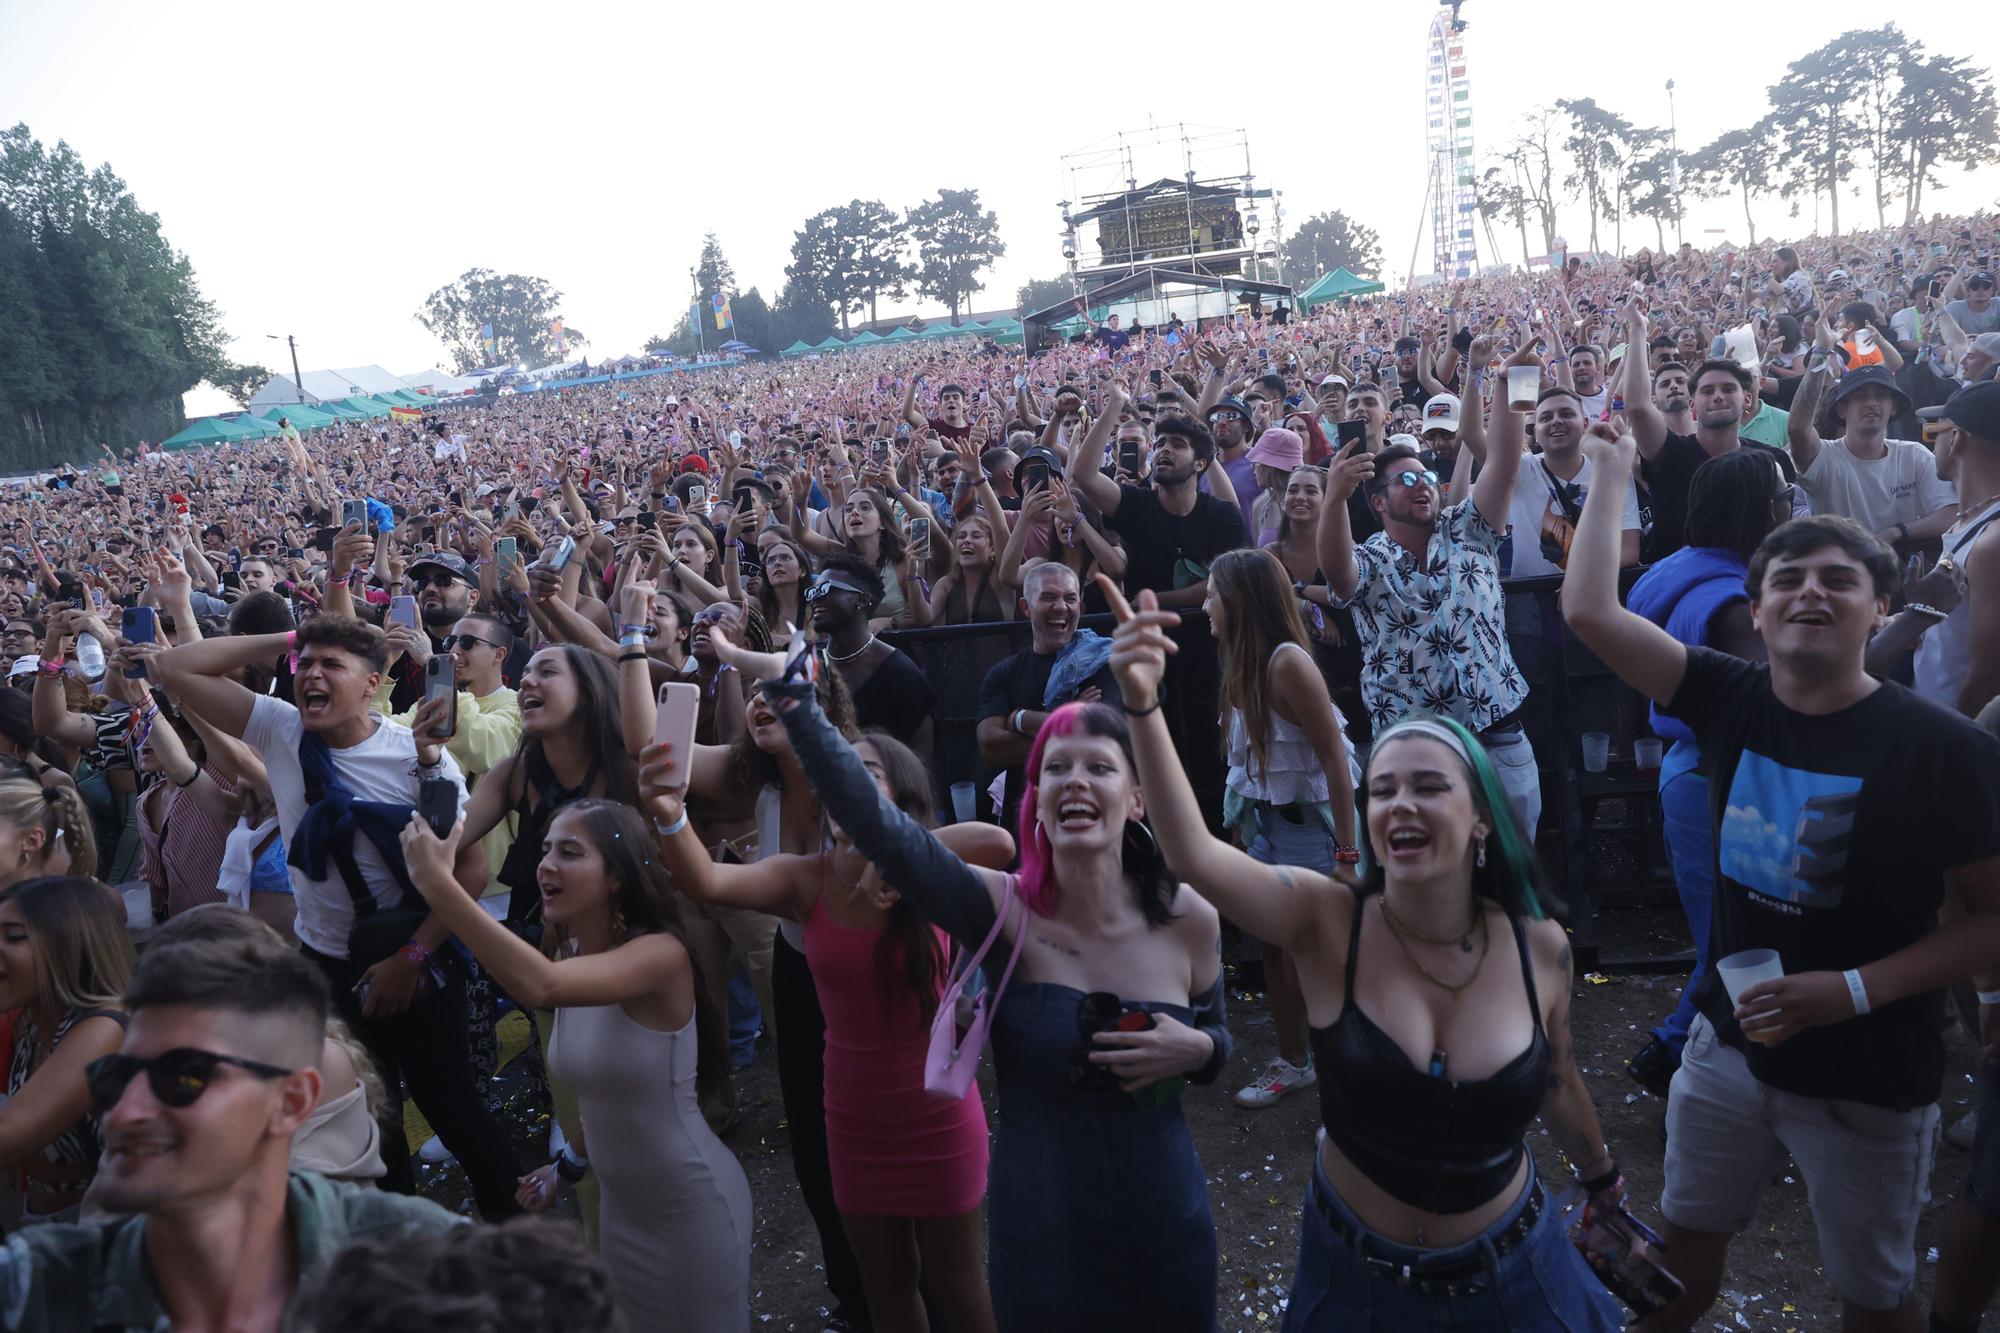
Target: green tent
{"points": [[342, 412], [366, 406], [866, 339], [830, 343], [387, 401], [1339, 285], [405, 398], [300, 415], [207, 431], [905, 334], [799, 348]]}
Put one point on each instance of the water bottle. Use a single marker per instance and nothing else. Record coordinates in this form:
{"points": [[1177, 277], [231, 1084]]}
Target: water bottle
{"points": [[90, 656]]}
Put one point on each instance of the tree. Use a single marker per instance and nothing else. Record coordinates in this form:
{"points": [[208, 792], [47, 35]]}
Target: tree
{"points": [[878, 236], [713, 275], [1501, 196], [1598, 142], [1947, 115], [240, 382], [1646, 187], [823, 264], [1327, 241], [522, 311], [955, 239], [1041, 293], [1740, 160], [1821, 133], [105, 327], [1532, 157]]}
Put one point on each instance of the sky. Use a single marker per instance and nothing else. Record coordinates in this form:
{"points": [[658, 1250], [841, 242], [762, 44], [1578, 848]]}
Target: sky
{"points": [[325, 167]]}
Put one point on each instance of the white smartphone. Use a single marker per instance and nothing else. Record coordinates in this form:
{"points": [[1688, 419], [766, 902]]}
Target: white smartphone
{"points": [[680, 706], [403, 611]]}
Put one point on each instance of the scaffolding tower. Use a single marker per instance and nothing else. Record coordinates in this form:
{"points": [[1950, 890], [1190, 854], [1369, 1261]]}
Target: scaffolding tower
{"points": [[1448, 131]]}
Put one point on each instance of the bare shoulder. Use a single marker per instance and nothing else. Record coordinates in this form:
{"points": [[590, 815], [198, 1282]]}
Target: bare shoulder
{"points": [[1195, 917], [1549, 946]]}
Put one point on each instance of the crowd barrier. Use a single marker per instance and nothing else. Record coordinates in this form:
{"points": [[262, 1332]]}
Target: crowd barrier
{"points": [[1599, 839]]}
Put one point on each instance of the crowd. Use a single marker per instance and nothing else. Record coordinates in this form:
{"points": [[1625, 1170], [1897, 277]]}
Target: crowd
{"points": [[614, 705]]}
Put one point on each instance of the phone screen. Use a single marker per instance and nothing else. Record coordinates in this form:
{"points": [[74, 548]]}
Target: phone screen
{"points": [[441, 682]]}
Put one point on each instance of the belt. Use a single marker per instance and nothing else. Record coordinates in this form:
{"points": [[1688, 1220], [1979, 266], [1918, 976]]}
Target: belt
{"points": [[1459, 1277], [1506, 726]]}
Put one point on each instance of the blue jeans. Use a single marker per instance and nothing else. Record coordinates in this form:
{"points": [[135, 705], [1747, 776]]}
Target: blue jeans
{"points": [[746, 1019], [1280, 842], [1690, 834], [1541, 1285]]}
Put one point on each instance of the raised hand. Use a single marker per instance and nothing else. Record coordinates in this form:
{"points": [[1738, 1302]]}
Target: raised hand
{"points": [[1607, 444], [1139, 646], [1351, 467]]}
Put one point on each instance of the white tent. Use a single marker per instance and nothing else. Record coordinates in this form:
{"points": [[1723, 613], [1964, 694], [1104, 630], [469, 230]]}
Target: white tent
{"points": [[326, 386], [440, 382]]}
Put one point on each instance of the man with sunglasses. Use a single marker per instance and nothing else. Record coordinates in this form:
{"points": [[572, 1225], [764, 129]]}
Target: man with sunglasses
{"points": [[890, 690], [198, 1111], [1426, 594]]}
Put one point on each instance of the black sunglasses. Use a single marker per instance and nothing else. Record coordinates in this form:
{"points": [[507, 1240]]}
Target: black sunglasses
{"points": [[466, 642], [177, 1077], [441, 578]]}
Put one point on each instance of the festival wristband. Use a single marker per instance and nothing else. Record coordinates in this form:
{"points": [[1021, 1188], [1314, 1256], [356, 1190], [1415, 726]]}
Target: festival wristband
{"points": [[1857, 991], [1601, 1182], [1989, 996], [669, 830], [1924, 609], [415, 952]]}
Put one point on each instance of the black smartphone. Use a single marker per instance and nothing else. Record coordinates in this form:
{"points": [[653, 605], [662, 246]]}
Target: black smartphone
{"points": [[441, 682], [1034, 477], [437, 802], [1154, 376], [1128, 458], [1347, 432], [647, 519], [231, 579]]}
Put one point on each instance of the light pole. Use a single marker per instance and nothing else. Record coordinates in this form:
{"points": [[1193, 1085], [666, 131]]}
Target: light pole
{"points": [[298, 380], [695, 313], [1674, 139]]}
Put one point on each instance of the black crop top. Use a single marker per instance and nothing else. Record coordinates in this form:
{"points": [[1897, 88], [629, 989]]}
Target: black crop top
{"points": [[1429, 1141]]}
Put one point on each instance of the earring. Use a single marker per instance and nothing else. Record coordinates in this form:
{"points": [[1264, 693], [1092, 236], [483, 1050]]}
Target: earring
{"points": [[1481, 858], [617, 924], [1140, 827], [1042, 840]]}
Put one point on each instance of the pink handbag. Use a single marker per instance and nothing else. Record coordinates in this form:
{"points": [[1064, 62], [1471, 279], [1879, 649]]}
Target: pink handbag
{"points": [[953, 1060]]}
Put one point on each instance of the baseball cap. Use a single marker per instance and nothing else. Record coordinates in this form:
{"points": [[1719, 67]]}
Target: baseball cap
{"points": [[448, 561], [1341, 380], [1974, 409], [1442, 412], [1404, 438], [1230, 404], [1975, 279], [1279, 447]]}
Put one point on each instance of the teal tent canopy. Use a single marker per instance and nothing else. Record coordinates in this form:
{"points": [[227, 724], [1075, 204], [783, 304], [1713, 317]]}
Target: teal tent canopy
{"points": [[799, 348], [210, 430], [866, 339], [1339, 285], [300, 415], [904, 334], [830, 343]]}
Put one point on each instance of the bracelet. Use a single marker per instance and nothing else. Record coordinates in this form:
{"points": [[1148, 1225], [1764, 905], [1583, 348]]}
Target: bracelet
{"points": [[634, 631], [1014, 721], [1856, 991], [669, 830], [638, 654], [1902, 532], [192, 779], [569, 1166], [1346, 856], [631, 641], [291, 640], [1925, 609], [1158, 699], [415, 952], [53, 670], [1600, 1182], [1989, 996]]}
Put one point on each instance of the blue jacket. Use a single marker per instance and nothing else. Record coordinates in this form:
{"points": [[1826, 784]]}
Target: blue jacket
{"points": [[1683, 594]]}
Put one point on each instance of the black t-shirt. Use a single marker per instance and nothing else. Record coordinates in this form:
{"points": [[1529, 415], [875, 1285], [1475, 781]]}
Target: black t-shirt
{"points": [[1020, 682], [1667, 476], [1156, 540], [1833, 837], [1114, 340], [896, 697]]}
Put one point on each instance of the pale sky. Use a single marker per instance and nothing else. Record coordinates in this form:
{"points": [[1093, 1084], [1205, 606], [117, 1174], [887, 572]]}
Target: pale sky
{"points": [[326, 166]]}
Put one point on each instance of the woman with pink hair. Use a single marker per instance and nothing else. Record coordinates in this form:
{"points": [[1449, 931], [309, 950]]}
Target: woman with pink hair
{"points": [[1097, 1203]]}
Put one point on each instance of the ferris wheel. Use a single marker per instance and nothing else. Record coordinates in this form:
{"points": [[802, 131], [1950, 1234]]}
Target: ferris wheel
{"points": [[1448, 131]]}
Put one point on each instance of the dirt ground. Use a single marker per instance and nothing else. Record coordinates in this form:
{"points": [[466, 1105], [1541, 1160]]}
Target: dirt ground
{"points": [[1257, 1163]]}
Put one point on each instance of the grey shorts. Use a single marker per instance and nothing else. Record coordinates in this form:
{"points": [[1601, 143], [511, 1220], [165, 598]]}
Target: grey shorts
{"points": [[1867, 1168], [1982, 1174]]}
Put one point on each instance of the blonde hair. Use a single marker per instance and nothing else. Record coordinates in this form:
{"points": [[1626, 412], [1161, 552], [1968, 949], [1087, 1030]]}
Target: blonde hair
{"points": [[76, 929], [59, 813]]}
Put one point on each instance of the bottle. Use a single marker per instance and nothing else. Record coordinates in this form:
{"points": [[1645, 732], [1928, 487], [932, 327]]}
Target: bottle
{"points": [[90, 656]]}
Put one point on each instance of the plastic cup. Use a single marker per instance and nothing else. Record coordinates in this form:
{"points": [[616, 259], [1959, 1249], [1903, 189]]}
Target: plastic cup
{"points": [[965, 801], [1596, 751], [1744, 969], [1646, 752], [1523, 383]]}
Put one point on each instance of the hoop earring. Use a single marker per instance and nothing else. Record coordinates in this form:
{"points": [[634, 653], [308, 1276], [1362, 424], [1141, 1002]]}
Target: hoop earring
{"points": [[1480, 860], [1152, 847], [617, 924], [1042, 847]]}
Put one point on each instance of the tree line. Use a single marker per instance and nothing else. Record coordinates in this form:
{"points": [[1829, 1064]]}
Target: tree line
{"points": [[1870, 113]]}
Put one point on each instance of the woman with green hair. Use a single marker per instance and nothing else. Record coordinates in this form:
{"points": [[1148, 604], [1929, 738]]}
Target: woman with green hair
{"points": [[1437, 1043]]}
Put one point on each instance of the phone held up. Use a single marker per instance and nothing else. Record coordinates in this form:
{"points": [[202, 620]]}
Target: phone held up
{"points": [[437, 802], [441, 682], [673, 725]]}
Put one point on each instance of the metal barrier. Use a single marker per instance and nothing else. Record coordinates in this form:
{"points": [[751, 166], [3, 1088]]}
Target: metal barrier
{"points": [[1600, 833]]}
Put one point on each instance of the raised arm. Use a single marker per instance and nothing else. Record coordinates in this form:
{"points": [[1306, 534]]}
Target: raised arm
{"points": [[1333, 543], [1800, 431], [1099, 489], [202, 676], [1493, 492], [1645, 656], [1649, 427]]}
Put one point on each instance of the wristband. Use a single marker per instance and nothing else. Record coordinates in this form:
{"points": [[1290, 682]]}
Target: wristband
{"points": [[634, 631], [1989, 996], [1158, 699], [1856, 991], [1925, 609], [1346, 856], [569, 1166], [291, 640], [51, 669], [1014, 721], [1600, 1182], [1902, 532], [415, 952], [632, 641], [638, 654], [192, 778], [669, 830]]}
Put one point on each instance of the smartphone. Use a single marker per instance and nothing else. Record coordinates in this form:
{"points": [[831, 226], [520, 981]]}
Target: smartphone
{"points": [[647, 519], [735, 439], [1154, 376], [558, 554], [354, 513], [1347, 432], [1128, 458], [441, 682], [698, 497], [403, 611], [140, 624], [506, 551], [1020, 381], [1034, 477], [437, 802], [920, 537], [1625, 1253], [680, 705], [231, 579], [881, 451], [1263, 354], [673, 504]]}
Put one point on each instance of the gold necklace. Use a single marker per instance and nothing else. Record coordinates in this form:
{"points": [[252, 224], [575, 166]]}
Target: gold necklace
{"points": [[1463, 939], [1455, 991]]}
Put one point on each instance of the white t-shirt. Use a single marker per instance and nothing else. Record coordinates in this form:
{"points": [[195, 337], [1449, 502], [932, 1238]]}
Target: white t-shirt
{"points": [[381, 768], [1906, 325], [1900, 487], [1595, 405], [1535, 509]]}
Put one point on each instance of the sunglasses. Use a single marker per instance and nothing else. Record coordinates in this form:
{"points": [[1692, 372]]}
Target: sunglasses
{"points": [[177, 1077], [436, 579], [826, 584], [1414, 478], [467, 642]]}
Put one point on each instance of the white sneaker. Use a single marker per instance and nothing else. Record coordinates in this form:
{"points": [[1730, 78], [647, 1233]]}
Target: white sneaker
{"points": [[1960, 1135], [1280, 1077], [434, 1153]]}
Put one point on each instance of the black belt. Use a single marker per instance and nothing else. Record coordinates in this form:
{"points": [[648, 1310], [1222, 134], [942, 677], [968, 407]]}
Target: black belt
{"points": [[1506, 726], [1459, 1277]]}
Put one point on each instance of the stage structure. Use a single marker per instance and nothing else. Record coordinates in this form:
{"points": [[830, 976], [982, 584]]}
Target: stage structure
{"points": [[1448, 130], [1198, 214], [1150, 295]]}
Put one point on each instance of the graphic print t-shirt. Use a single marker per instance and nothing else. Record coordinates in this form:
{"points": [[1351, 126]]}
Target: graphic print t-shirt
{"points": [[1834, 834]]}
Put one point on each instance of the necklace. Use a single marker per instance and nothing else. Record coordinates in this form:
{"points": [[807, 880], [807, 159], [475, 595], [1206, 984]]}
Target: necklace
{"points": [[1454, 990], [832, 656], [1965, 509], [1463, 939]]}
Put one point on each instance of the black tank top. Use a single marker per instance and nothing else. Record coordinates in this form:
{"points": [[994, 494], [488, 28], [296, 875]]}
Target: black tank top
{"points": [[524, 855], [1428, 1141]]}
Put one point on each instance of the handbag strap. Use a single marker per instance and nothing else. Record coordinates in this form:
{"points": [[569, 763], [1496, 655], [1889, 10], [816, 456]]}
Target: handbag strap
{"points": [[1020, 936], [967, 963]]}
